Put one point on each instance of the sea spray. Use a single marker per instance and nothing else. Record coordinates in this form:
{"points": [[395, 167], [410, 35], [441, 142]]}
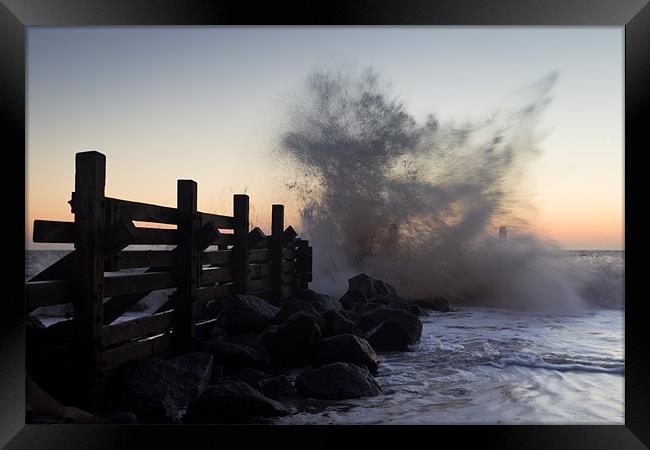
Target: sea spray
{"points": [[418, 204]]}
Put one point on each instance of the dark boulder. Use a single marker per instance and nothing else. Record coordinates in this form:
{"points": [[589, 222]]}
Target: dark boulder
{"points": [[295, 305], [351, 315], [434, 304], [232, 402], [362, 309], [230, 354], [248, 375], [158, 389], [382, 299], [351, 300], [290, 343], [337, 381], [411, 323], [389, 336], [346, 348], [337, 323], [277, 387], [245, 313], [370, 287], [407, 306], [320, 302]]}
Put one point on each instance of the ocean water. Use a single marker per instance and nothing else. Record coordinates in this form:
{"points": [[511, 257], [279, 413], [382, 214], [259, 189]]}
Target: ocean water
{"points": [[478, 365]]}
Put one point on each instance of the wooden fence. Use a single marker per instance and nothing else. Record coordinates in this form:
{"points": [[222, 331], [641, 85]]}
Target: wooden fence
{"points": [[213, 256]]}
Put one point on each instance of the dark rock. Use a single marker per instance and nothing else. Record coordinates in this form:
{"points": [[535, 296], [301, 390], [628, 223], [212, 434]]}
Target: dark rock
{"points": [[249, 339], [351, 299], [407, 306], [362, 309], [277, 387], [337, 381], [382, 299], [410, 322], [320, 302], [337, 323], [229, 354], [232, 402], [289, 343], [351, 315], [246, 313], [435, 304], [370, 287], [295, 305], [158, 389], [389, 336], [346, 348], [250, 376]]}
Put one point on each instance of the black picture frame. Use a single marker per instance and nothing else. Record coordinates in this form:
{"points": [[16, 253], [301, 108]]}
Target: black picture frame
{"points": [[16, 15]]}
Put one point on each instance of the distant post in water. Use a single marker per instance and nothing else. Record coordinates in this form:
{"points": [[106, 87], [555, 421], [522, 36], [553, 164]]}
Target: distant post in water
{"points": [[503, 233], [277, 230]]}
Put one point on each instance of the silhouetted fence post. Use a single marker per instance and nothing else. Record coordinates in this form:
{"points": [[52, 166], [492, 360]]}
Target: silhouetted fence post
{"points": [[187, 263], [277, 234], [240, 254], [89, 222], [302, 261]]}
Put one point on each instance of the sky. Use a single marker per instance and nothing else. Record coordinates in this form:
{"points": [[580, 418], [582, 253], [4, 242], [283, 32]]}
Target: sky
{"points": [[207, 103]]}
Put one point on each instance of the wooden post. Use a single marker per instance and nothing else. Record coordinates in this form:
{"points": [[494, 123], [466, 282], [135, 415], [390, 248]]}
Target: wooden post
{"points": [[303, 261], [277, 231], [90, 178], [187, 264], [240, 254]]}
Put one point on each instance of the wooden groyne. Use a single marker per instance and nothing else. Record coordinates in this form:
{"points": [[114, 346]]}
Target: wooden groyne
{"points": [[213, 256]]}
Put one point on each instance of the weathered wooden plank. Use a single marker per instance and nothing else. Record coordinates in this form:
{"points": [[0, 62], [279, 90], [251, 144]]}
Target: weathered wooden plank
{"points": [[48, 293], [287, 290], [216, 257], [205, 294], [288, 277], [240, 250], [131, 259], [144, 212], [259, 270], [117, 356], [260, 285], [217, 275], [208, 235], [53, 231], [204, 325], [224, 222], [154, 236], [143, 282], [115, 306], [288, 253], [259, 255], [289, 266], [89, 222], [120, 234], [263, 243], [63, 269], [289, 235], [137, 328], [255, 236]]}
